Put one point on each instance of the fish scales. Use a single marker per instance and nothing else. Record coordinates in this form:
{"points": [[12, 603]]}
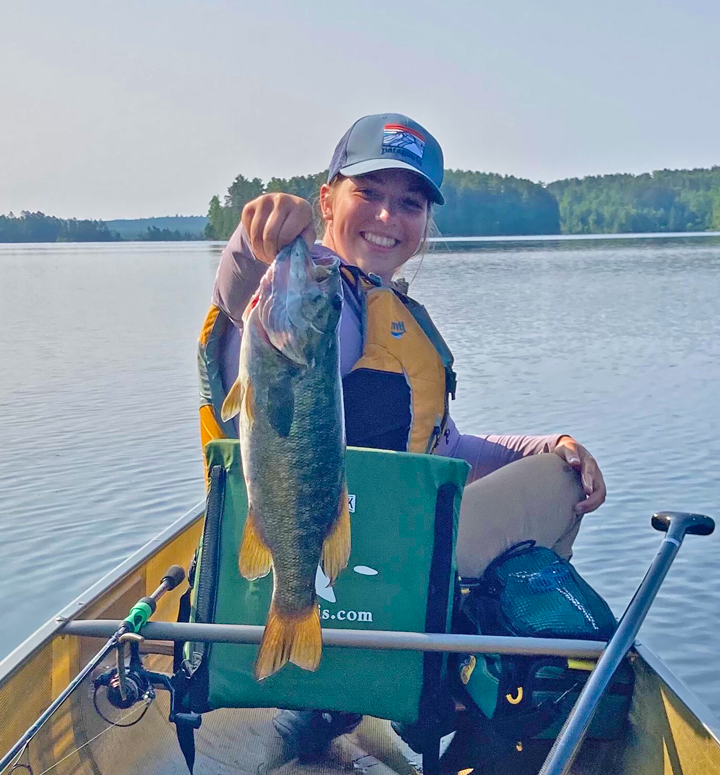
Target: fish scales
{"points": [[293, 448]]}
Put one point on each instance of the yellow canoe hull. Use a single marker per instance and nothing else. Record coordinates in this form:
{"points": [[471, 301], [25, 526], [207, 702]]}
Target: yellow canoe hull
{"points": [[669, 733]]}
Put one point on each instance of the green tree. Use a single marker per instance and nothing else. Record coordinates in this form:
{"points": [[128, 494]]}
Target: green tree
{"points": [[38, 227], [660, 201], [214, 226], [715, 221]]}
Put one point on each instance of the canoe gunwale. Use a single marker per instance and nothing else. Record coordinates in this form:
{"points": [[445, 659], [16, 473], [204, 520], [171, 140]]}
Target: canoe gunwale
{"points": [[84, 601], [678, 687]]}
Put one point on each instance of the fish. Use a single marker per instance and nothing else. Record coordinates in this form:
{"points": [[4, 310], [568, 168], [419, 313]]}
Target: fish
{"points": [[288, 396]]}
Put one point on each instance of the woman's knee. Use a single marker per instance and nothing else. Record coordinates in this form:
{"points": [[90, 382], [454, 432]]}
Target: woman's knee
{"points": [[531, 499]]}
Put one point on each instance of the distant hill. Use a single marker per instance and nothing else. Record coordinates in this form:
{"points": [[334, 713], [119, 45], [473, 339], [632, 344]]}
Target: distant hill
{"points": [[660, 201], [137, 228]]}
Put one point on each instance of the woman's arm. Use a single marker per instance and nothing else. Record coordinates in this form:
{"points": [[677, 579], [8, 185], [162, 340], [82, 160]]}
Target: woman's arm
{"points": [[238, 276], [486, 454]]}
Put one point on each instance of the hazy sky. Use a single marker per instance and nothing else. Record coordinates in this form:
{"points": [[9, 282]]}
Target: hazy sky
{"points": [[132, 108]]}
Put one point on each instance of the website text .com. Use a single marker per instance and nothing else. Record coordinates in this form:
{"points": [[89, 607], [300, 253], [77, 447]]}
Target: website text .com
{"points": [[346, 616]]}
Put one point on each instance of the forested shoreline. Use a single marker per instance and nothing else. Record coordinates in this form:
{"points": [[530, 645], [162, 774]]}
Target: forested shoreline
{"points": [[38, 227], [477, 204], [487, 204]]}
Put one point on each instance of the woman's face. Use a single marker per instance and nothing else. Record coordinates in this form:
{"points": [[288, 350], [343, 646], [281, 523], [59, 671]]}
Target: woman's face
{"points": [[376, 221]]}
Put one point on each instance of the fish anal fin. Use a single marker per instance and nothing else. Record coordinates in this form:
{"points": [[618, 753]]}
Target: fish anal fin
{"points": [[296, 639], [336, 547], [233, 401], [255, 560]]}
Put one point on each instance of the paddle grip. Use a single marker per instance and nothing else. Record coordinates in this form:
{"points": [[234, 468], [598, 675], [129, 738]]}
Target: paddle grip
{"points": [[678, 523]]}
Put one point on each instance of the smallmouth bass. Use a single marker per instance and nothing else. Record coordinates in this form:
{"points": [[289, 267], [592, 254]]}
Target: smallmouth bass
{"points": [[292, 439]]}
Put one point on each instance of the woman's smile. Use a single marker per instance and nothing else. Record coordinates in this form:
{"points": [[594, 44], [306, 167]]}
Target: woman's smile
{"points": [[376, 221], [378, 240]]}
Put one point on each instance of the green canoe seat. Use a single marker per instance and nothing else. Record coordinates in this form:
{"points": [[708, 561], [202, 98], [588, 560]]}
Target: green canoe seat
{"points": [[404, 512]]}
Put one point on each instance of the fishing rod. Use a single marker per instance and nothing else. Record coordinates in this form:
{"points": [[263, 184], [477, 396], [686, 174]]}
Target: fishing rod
{"points": [[131, 625], [676, 525]]}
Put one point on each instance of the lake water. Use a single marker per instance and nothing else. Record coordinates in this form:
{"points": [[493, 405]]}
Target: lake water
{"points": [[616, 342]]}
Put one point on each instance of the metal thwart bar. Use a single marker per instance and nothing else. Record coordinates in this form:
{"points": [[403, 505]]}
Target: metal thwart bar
{"points": [[369, 639]]}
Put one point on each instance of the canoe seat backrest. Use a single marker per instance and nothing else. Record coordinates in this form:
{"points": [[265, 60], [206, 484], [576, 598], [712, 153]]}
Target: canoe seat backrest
{"points": [[404, 511]]}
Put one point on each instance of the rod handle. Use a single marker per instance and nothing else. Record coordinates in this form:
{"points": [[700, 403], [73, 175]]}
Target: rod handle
{"points": [[683, 522], [173, 576]]}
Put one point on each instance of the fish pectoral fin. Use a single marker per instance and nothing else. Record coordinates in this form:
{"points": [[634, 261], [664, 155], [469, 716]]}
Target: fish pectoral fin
{"points": [[336, 547], [249, 396], [296, 639], [233, 402], [255, 560]]}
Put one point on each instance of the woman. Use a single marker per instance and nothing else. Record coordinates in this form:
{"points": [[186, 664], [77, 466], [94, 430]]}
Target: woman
{"points": [[376, 208]]}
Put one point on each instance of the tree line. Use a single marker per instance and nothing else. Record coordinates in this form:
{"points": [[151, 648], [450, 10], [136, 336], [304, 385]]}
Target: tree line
{"points": [[38, 227], [477, 203], [661, 201], [482, 203]]}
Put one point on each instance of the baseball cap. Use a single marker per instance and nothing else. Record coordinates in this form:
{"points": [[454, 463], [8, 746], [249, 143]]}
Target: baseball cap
{"points": [[387, 141]]}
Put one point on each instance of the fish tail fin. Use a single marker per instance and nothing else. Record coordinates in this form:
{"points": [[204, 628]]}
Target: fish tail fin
{"points": [[336, 547], [296, 639], [233, 402], [255, 560]]}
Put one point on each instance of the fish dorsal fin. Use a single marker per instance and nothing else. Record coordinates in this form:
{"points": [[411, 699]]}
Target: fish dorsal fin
{"points": [[255, 559], [233, 402], [336, 547]]}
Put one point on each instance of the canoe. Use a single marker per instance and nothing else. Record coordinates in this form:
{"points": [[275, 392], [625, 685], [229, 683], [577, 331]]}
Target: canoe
{"points": [[669, 732]]}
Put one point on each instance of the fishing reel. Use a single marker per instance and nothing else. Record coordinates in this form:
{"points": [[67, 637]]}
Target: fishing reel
{"points": [[126, 685], [123, 692]]}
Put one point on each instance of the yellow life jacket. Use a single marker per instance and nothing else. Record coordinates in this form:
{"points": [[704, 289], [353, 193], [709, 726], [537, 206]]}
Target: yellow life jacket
{"points": [[395, 396]]}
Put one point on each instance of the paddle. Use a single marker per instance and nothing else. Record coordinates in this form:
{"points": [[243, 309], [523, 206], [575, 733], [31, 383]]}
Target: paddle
{"points": [[138, 616], [676, 525]]}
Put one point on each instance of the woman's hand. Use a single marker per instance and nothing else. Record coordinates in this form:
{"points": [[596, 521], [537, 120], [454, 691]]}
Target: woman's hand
{"points": [[592, 480], [272, 221]]}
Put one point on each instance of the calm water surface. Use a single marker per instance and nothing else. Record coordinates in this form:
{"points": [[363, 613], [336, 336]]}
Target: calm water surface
{"points": [[617, 343]]}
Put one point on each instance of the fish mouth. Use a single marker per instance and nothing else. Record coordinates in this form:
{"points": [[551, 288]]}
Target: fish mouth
{"points": [[299, 305]]}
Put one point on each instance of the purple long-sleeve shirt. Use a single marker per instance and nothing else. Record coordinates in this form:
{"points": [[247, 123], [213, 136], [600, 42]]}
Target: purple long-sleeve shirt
{"points": [[238, 277]]}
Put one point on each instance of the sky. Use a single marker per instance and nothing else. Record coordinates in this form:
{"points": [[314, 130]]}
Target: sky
{"points": [[137, 108]]}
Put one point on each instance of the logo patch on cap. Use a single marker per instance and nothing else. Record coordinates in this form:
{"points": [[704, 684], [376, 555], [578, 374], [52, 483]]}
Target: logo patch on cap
{"points": [[402, 141]]}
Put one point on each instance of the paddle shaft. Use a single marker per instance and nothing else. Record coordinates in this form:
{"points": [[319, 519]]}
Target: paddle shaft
{"points": [[568, 742]]}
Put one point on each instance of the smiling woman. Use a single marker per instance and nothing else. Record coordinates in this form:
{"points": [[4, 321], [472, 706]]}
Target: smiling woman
{"points": [[397, 375], [381, 219]]}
